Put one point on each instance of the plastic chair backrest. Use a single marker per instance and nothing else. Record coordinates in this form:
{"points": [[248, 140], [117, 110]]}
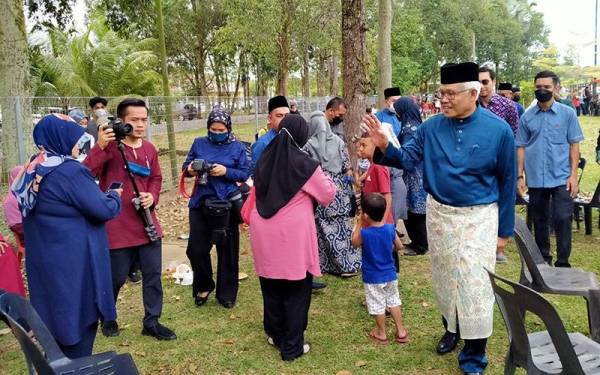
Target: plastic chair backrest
{"points": [[595, 202], [514, 306], [22, 319], [529, 251], [581, 166]]}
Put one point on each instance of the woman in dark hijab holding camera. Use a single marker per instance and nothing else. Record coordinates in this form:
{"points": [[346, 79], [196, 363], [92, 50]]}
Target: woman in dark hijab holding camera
{"points": [[64, 211], [288, 185], [218, 162]]}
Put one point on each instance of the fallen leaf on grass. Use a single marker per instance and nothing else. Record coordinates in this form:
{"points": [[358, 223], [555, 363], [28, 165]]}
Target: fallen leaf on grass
{"points": [[424, 303], [344, 372], [232, 316], [4, 331], [176, 298], [360, 363], [229, 342], [140, 354], [125, 326], [124, 343], [193, 368]]}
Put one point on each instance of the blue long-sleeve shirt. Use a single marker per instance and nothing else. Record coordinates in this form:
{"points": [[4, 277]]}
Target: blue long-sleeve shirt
{"points": [[466, 162], [259, 146], [385, 115], [231, 155]]}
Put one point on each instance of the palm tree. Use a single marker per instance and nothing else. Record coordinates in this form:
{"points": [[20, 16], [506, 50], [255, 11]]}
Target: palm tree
{"points": [[97, 62]]}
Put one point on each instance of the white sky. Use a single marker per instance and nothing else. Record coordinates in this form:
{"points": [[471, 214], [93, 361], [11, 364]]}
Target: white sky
{"points": [[569, 21]]}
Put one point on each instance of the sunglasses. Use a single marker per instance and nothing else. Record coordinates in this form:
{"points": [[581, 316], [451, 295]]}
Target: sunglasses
{"points": [[485, 82]]}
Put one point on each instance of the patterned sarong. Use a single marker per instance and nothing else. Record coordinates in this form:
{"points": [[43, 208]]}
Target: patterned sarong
{"points": [[462, 243]]}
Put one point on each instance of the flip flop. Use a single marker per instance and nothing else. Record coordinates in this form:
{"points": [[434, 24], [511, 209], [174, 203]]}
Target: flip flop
{"points": [[403, 339], [378, 340]]}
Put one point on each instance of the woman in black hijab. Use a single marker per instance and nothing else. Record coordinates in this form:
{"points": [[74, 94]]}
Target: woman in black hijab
{"points": [[288, 183]]}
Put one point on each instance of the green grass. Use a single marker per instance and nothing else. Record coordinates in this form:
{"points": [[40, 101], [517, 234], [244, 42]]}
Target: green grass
{"points": [[213, 340]]}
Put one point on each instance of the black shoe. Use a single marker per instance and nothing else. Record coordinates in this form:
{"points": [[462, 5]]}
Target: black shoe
{"points": [[473, 373], [201, 300], [447, 343], [228, 304], [159, 332], [317, 285], [562, 264], [110, 328], [135, 277]]}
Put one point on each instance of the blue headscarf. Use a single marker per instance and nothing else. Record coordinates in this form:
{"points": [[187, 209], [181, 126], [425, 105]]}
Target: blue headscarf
{"points": [[410, 117], [218, 114], [55, 135]]}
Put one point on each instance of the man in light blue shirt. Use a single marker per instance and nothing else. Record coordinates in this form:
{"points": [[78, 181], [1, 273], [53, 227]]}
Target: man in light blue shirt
{"points": [[548, 153], [278, 108]]}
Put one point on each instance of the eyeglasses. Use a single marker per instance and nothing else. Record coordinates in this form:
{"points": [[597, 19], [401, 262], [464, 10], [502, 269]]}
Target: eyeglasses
{"points": [[448, 94]]}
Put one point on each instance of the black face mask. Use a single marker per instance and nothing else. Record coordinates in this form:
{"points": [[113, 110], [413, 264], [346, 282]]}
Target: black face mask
{"points": [[336, 120], [543, 95]]}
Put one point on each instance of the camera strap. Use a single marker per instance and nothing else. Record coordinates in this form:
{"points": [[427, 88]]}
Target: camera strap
{"points": [[182, 190]]}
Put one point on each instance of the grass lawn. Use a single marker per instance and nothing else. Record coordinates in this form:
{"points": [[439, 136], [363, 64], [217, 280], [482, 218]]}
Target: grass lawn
{"points": [[213, 340]]}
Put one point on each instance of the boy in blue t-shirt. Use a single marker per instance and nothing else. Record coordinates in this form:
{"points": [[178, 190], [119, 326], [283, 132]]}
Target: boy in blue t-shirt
{"points": [[378, 240]]}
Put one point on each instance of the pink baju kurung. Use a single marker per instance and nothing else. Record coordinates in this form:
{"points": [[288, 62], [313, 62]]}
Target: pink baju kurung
{"points": [[285, 245]]}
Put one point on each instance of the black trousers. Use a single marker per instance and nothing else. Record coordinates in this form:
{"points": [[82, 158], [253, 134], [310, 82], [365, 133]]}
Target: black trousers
{"points": [[416, 228], [286, 305], [553, 204], [150, 258], [228, 255]]}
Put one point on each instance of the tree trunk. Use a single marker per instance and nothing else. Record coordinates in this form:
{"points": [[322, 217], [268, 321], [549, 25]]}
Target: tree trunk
{"points": [[355, 68], [321, 75], [160, 26], [384, 49], [305, 75], [283, 43], [333, 75], [14, 85]]}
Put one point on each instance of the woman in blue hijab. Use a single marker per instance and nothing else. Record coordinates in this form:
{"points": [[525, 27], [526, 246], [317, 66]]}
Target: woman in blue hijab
{"points": [[64, 211], [407, 111]]}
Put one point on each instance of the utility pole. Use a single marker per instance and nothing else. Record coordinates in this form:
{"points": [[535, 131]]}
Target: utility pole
{"points": [[596, 36]]}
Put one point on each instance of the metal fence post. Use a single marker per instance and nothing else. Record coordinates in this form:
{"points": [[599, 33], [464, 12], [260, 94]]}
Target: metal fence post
{"points": [[256, 113], [149, 128], [19, 127]]}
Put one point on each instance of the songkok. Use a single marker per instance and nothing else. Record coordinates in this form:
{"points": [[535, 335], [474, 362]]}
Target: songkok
{"points": [[391, 91], [278, 101], [457, 73], [516, 88], [505, 86]]}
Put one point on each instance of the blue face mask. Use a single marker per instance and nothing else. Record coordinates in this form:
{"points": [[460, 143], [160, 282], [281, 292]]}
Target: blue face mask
{"points": [[139, 170], [218, 138]]}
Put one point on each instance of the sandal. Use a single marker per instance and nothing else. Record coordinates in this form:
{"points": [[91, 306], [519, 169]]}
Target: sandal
{"points": [[403, 339], [378, 340]]}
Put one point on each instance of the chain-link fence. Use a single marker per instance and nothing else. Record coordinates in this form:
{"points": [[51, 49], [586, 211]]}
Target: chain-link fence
{"points": [[18, 116]]}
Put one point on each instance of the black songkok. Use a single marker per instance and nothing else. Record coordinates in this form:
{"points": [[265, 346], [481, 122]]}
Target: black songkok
{"points": [[505, 86], [391, 91], [458, 73], [278, 101]]}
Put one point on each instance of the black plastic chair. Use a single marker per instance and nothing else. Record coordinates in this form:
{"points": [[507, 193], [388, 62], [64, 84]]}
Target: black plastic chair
{"points": [[541, 277], [43, 355], [587, 205], [553, 351]]}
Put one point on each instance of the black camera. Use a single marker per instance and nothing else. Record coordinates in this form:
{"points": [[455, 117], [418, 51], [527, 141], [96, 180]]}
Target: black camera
{"points": [[120, 128], [202, 167]]}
